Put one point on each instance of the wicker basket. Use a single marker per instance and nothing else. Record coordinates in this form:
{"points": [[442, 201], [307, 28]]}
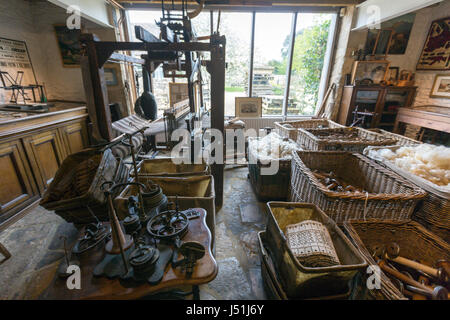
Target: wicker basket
{"points": [[434, 213], [389, 196], [165, 167], [268, 187], [415, 242], [357, 139], [289, 128], [298, 280], [80, 206], [400, 140]]}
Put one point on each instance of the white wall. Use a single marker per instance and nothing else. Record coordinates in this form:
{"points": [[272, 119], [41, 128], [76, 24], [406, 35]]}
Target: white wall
{"points": [[94, 10], [33, 22]]}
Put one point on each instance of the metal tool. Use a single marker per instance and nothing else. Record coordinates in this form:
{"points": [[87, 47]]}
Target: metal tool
{"points": [[191, 251], [68, 261], [93, 235]]}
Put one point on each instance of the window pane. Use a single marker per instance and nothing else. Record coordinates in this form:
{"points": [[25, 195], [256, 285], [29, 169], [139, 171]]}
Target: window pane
{"points": [[236, 27], [272, 34], [311, 38]]}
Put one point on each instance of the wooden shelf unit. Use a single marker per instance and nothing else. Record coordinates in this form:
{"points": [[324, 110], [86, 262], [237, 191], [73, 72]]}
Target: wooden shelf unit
{"points": [[379, 104]]}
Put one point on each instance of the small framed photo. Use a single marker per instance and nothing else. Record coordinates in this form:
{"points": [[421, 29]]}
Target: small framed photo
{"points": [[393, 73], [248, 107], [69, 45], [111, 76], [441, 86]]}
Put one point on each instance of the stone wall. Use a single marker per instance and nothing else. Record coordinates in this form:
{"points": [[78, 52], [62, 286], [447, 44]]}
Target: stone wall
{"points": [[353, 40]]}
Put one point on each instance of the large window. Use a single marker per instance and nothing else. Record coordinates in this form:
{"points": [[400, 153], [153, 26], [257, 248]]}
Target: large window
{"points": [[147, 20], [272, 32], [310, 46], [237, 28], [272, 68]]}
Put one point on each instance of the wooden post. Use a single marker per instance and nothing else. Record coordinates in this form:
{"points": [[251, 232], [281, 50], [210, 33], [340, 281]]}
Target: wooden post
{"points": [[216, 68], [96, 92]]}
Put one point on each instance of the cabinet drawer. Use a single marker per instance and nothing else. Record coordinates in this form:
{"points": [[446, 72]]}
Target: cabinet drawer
{"points": [[74, 137], [46, 153], [18, 187]]}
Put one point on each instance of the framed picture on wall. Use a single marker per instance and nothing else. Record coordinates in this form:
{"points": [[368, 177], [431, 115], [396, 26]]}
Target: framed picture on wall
{"points": [[248, 107], [375, 70], [69, 45], [441, 86], [398, 38], [436, 50]]}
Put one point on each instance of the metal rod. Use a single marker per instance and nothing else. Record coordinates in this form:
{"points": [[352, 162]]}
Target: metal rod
{"points": [[289, 65], [252, 53], [133, 157]]}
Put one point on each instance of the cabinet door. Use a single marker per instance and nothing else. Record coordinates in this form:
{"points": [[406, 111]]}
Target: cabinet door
{"points": [[18, 187], [46, 154], [74, 137]]}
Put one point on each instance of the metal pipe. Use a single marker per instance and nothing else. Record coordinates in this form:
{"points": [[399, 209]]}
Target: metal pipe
{"points": [[252, 53]]}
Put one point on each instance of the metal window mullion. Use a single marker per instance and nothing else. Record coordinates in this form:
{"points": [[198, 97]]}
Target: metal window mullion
{"points": [[252, 53], [327, 63], [289, 65]]}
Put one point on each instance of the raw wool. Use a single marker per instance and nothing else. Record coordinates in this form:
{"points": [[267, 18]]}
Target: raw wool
{"points": [[273, 147], [426, 161]]}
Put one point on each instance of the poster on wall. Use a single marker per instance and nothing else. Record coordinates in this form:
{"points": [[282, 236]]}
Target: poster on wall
{"points": [[436, 50], [69, 45], [400, 30], [15, 66]]}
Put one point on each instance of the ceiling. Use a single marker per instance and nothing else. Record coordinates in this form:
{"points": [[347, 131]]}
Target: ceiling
{"points": [[245, 3]]}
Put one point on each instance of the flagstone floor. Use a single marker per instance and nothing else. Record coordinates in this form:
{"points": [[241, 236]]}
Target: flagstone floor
{"points": [[37, 249]]}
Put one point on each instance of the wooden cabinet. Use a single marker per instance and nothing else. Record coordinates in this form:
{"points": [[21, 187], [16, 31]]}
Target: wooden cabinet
{"points": [[18, 187], [373, 106], [31, 151], [45, 153], [74, 137]]}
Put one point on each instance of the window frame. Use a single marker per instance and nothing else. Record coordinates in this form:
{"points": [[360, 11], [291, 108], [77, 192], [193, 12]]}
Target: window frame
{"points": [[329, 55]]}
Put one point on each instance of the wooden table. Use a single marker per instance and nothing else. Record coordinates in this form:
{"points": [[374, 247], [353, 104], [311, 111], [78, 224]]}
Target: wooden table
{"points": [[102, 288], [432, 117]]}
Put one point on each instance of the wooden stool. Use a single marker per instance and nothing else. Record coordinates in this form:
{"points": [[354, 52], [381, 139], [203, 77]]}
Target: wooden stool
{"points": [[5, 253]]}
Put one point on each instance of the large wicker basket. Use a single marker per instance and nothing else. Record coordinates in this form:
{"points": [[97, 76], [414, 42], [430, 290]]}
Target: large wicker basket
{"points": [[268, 187], [346, 139], [271, 279], [289, 128], [298, 280], [434, 213], [89, 203], [400, 140], [388, 196], [416, 243]]}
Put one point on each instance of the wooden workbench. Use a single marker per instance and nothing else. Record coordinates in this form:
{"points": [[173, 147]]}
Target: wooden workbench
{"points": [[432, 117], [102, 288]]}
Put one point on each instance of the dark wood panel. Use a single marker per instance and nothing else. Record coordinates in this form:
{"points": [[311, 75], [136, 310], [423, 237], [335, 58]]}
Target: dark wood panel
{"points": [[46, 154], [18, 186], [74, 137]]}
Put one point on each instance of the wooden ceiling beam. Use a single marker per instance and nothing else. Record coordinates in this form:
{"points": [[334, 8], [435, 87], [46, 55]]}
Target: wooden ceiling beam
{"points": [[253, 3]]}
